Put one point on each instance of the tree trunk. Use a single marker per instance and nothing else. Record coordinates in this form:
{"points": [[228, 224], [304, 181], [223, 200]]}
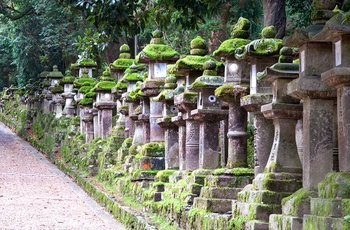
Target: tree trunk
{"points": [[275, 14], [217, 37]]}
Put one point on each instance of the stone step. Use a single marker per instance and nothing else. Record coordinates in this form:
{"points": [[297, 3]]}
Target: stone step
{"points": [[194, 188], [140, 175], [213, 205], [324, 223], [220, 193], [262, 196], [255, 211], [330, 207], [284, 222], [228, 181], [257, 225], [196, 179], [277, 183]]}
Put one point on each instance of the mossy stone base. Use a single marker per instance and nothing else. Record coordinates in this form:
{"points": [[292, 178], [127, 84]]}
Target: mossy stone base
{"points": [[213, 205], [278, 182], [285, 222], [330, 207], [220, 193], [298, 203], [261, 196], [228, 181], [255, 211], [144, 175], [335, 185], [324, 223], [256, 225]]}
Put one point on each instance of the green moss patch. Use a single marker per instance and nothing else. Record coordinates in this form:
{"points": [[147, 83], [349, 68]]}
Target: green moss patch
{"points": [[122, 63], [157, 52], [234, 172], [336, 185], [153, 149], [84, 81], [228, 47], [104, 86], [85, 89], [86, 101], [192, 62]]}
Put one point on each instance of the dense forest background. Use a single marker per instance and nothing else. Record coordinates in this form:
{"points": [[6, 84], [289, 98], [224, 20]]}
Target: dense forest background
{"points": [[39, 33]]}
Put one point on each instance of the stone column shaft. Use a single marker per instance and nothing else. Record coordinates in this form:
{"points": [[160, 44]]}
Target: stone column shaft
{"points": [[318, 140], [209, 145], [237, 136], [192, 144], [182, 147], [343, 98], [156, 111], [171, 148], [106, 122]]}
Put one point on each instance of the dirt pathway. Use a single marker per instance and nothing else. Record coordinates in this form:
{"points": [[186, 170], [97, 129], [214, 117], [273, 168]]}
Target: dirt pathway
{"points": [[34, 194]]}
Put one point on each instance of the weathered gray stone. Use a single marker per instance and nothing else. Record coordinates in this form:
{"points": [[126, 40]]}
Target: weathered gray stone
{"points": [[213, 205]]}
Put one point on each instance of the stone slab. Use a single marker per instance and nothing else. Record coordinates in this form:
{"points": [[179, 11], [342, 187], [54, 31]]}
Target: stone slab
{"points": [[220, 193], [213, 205]]}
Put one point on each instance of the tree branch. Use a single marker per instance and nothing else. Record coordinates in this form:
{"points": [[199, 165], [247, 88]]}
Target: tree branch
{"points": [[17, 15]]}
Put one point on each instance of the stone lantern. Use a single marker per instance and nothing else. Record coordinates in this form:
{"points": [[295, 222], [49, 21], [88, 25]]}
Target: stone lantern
{"points": [[83, 83], [132, 75], [157, 55], [209, 114], [166, 96], [261, 53], [124, 61], [56, 90], [316, 57], [185, 100], [86, 65], [105, 103], [236, 86], [282, 174], [67, 82], [87, 116]]}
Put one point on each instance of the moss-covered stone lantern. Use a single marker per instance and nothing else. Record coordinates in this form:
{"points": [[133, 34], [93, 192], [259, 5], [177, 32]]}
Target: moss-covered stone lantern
{"points": [[157, 55], [124, 61], [83, 84], [68, 94], [260, 53], [209, 114], [316, 56], [105, 103], [87, 64], [56, 89], [191, 66], [166, 96]]}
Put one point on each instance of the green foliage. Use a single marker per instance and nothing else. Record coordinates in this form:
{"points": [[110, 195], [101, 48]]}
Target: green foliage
{"points": [[116, 17], [28, 44], [91, 45], [299, 13]]}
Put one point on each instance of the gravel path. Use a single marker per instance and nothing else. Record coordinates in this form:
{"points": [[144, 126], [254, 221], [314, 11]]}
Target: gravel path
{"points": [[34, 194]]}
